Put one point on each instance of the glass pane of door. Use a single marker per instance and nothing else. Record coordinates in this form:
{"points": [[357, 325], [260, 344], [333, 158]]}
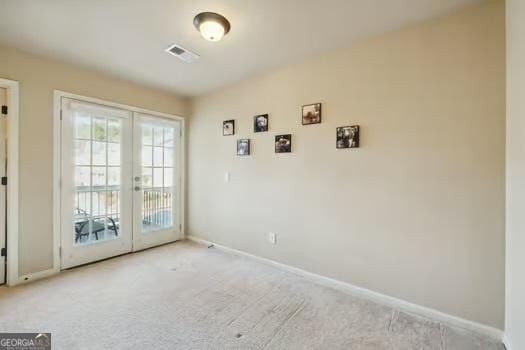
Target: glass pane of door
{"points": [[97, 169], [157, 177]]}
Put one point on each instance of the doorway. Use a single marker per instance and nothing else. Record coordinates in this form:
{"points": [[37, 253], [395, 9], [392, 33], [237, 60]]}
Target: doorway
{"points": [[120, 180], [9, 98]]}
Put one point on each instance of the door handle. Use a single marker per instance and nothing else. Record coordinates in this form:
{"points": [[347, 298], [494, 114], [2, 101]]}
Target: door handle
{"points": [[137, 188]]}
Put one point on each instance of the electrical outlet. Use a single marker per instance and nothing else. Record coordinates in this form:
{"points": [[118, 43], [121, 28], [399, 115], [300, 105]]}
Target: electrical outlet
{"points": [[226, 177], [272, 238]]}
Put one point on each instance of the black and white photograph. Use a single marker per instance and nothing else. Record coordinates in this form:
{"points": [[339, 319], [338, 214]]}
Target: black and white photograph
{"points": [[348, 136], [243, 147], [260, 123], [228, 127], [312, 114], [283, 143]]}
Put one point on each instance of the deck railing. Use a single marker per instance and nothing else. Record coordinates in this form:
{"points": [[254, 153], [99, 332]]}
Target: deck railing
{"points": [[104, 202]]}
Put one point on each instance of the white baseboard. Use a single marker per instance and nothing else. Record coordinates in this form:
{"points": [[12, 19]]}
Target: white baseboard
{"points": [[506, 343], [35, 276], [369, 294]]}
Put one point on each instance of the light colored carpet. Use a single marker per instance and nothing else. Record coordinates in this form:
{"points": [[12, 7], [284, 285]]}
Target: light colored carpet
{"points": [[186, 296]]}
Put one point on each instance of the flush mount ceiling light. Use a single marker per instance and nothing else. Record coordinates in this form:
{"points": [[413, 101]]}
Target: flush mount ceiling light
{"points": [[211, 25]]}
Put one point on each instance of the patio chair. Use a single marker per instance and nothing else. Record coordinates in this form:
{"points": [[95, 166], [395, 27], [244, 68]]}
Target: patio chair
{"points": [[97, 225]]}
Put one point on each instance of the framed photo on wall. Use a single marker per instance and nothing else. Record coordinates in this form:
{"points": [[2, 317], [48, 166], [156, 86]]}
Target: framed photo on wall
{"points": [[283, 143], [243, 147], [312, 114], [347, 136], [228, 127], [260, 123]]}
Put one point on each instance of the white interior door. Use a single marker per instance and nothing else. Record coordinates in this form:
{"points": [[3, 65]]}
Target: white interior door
{"points": [[3, 192], [157, 181], [96, 196]]}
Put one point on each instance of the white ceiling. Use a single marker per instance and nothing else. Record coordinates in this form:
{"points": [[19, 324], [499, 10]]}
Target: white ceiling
{"points": [[127, 38]]}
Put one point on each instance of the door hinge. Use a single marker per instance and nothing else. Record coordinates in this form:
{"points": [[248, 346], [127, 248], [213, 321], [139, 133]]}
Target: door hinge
{"points": [[4, 180], [4, 110], [60, 114], [60, 251], [4, 252]]}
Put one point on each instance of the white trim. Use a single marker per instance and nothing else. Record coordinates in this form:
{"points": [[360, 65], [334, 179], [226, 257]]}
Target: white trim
{"points": [[36, 276], [13, 100], [368, 294], [57, 142], [182, 181], [115, 105], [58, 94], [95, 108], [506, 343]]}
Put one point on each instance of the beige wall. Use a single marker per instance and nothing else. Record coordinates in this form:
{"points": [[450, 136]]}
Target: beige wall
{"points": [[38, 78], [515, 300], [418, 211]]}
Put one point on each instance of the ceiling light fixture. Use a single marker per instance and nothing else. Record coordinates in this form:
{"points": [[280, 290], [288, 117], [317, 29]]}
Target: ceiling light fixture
{"points": [[211, 25]]}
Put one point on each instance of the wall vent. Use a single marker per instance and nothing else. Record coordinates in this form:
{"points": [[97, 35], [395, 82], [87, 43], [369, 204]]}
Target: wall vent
{"points": [[182, 53]]}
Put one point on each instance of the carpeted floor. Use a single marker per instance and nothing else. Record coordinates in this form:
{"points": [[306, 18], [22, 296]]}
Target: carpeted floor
{"points": [[185, 296]]}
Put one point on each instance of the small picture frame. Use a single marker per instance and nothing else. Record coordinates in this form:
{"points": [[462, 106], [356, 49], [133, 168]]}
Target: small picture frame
{"points": [[283, 143], [243, 147], [228, 127], [260, 123], [311, 114], [347, 136]]}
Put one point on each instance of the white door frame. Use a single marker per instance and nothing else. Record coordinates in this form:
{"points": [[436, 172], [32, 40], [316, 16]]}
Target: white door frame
{"points": [[57, 142], [12, 89]]}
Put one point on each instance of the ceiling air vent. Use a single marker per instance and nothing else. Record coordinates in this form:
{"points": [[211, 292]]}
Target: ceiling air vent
{"points": [[182, 54]]}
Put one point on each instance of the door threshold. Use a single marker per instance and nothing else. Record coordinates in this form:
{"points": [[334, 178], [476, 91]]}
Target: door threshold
{"points": [[119, 255]]}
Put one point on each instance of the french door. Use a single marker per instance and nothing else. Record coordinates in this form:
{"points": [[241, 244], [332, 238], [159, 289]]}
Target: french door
{"points": [[120, 181], [157, 181]]}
